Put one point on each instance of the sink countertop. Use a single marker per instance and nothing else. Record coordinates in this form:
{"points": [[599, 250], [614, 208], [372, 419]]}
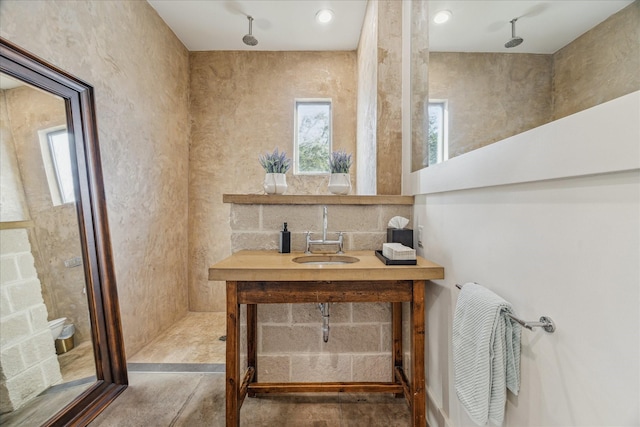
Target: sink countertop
{"points": [[274, 266]]}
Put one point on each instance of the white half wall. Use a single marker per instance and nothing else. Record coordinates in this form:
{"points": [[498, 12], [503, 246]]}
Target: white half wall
{"points": [[550, 221]]}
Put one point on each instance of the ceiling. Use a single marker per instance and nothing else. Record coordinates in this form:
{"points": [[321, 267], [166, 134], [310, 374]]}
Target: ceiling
{"points": [[545, 26], [278, 24], [476, 25]]}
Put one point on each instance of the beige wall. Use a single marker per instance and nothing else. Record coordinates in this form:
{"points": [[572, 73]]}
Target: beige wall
{"points": [[13, 206], [367, 100], [418, 80], [490, 96], [143, 124], [379, 99], [242, 105], [598, 66], [389, 102]]}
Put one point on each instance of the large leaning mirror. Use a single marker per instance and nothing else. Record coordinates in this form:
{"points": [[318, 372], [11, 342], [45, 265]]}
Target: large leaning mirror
{"points": [[567, 56], [61, 350]]}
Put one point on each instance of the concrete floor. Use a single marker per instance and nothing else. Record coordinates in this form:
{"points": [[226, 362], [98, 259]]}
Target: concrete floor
{"points": [[197, 399], [178, 380]]}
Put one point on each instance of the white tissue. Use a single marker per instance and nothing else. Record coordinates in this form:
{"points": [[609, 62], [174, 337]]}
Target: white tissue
{"points": [[398, 222], [397, 251]]}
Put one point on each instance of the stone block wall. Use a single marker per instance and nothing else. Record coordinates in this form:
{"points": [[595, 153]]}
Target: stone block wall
{"points": [[290, 344], [28, 362]]}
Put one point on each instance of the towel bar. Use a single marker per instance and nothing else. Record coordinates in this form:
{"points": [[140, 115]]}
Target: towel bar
{"points": [[545, 321]]}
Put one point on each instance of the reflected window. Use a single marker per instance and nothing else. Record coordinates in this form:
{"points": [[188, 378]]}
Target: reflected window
{"points": [[312, 144], [437, 149], [56, 155]]}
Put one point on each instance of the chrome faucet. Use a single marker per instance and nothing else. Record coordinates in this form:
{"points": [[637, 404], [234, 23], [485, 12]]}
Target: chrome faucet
{"points": [[324, 240]]}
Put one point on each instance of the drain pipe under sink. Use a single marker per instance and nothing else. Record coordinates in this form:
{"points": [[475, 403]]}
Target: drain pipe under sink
{"points": [[324, 309]]}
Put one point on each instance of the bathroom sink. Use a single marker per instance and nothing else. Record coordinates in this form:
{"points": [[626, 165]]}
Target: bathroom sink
{"points": [[325, 259]]}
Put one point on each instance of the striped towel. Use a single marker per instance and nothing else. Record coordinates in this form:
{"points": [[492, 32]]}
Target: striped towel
{"points": [[486, 353]]}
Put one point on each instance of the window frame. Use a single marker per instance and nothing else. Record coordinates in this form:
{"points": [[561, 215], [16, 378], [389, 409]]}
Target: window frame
{"points": [[296, 150], [443, 142], [60, 180], [51, 167]]}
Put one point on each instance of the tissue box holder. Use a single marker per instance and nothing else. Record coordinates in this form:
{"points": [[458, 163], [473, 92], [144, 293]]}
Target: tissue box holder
{"points": [[403, 235]]}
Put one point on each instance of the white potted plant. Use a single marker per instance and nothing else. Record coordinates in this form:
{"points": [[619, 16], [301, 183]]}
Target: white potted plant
{"points": [[340, 181], [275, 165]]}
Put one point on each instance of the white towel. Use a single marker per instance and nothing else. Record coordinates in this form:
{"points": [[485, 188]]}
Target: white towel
{"points": [[486, 353]]}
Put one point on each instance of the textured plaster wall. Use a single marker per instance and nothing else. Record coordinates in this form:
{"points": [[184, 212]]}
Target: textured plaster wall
{"points": [[54, 237], [13, 206], [242, 105], [139, 70], [389, 100], [490, 96], [600, 65], [379, 99], [367, 100], [290, 345], [419, 65]]}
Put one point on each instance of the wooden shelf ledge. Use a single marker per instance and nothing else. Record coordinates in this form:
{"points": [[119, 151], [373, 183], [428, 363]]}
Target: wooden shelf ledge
{"points": [[12, 225], [294, 199]]}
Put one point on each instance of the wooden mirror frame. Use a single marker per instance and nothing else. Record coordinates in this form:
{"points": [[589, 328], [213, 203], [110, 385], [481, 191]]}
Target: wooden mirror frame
{"points": [[104, 312]]}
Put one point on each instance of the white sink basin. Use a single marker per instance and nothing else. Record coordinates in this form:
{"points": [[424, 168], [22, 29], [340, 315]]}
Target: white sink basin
{"points": [[325, 259]]}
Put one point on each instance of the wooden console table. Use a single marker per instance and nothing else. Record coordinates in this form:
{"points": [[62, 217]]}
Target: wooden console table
{"points": [[255, 277]]}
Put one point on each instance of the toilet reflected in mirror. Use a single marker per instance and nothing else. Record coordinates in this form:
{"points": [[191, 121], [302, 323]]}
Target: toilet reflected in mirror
{"points": [[55, 326]]}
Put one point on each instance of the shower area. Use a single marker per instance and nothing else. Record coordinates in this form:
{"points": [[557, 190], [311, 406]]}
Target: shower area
{"points": [[42, 275]]}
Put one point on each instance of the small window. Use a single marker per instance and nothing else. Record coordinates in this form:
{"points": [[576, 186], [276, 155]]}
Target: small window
{"points": [[437, 143], [56, 155], [312, 136]]}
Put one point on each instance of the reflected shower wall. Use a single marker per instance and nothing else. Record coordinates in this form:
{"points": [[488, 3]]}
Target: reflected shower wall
{"points": [[28, 360], [42, 275], [492, 96], [54, 237]]}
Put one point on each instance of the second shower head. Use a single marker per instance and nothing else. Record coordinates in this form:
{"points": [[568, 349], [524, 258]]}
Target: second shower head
{"points": [[249, 39], [515, 40]]}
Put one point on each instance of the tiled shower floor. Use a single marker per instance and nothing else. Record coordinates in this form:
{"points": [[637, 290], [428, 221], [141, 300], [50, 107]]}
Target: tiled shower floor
{"points": [[193, 339]]}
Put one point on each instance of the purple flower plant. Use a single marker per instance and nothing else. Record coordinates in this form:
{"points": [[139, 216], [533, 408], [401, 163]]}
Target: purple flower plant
{"points": [[340, 162], [275, 162]]}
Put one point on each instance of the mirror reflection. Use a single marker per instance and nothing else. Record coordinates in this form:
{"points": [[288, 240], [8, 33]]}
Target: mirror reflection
{"points": [[573, 55], [45, 345]]}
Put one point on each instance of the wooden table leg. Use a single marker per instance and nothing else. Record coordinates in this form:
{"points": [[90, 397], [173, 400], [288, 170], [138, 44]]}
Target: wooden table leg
{"points": [[418, 407], [233, 356], [252, 343], [396, 333]]}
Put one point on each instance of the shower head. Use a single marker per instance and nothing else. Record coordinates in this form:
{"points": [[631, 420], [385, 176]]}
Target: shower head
{"points": [[248, 39], [515, 40]]}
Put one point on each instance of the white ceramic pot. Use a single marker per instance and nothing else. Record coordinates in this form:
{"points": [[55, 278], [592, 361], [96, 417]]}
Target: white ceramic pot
{"points": [[340, 183], [275, 183]]}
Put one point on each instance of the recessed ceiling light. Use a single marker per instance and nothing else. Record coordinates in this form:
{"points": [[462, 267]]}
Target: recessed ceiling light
{"points": [[324, 16], [442, 16]]}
